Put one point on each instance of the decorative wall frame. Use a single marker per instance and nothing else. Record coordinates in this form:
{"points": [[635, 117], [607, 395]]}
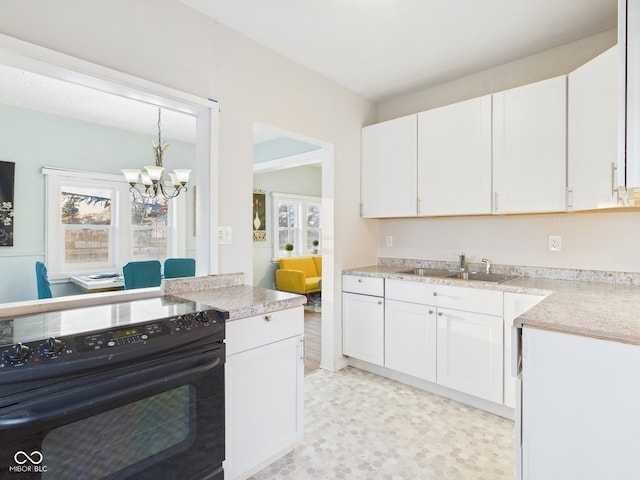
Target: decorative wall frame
{"points": [[7, 181], [259, 220]]}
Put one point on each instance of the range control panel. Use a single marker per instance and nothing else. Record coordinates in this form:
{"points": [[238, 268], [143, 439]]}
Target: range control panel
{"points": [[132, 336], [121, 336]]}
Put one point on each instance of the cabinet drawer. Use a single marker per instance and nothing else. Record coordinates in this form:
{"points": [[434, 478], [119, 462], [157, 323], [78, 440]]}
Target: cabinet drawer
{"points": [[251, 332], [363, 285], [459, 298]]}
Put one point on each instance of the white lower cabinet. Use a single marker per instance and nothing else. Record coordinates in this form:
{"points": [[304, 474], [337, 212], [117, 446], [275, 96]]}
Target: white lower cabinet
{"points": [[263, 390], [453, 336], [579, 408], [363, 327], [363, 318], [470, 353], [410, 339], [458, 330]]}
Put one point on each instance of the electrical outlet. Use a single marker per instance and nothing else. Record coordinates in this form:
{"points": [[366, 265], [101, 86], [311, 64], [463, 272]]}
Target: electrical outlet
{"points": [[389, 241], [555, 243]]}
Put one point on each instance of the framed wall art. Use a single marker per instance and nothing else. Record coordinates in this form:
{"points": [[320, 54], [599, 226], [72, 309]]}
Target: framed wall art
{"points": [[259, 216], [7, 181]]}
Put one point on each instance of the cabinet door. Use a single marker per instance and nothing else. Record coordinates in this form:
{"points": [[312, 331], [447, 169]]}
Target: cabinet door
{"points": [[264, 405], [629, 41], [529, 142], [389, 168], [515, 304], [593, 133], [470, 355], [410, 339], [454, 159], [579, 407], [363, 327]]}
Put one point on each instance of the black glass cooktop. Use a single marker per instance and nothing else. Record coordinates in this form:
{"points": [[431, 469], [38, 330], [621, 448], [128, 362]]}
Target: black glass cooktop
{"points": [[40, 326]]}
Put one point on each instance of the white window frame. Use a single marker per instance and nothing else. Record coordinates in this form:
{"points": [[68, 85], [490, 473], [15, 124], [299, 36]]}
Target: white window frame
{"points": [[120, 243], [301, 241]]}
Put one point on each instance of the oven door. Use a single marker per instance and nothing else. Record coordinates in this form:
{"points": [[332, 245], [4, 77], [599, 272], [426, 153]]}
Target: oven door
{"points": [[162, 421]]}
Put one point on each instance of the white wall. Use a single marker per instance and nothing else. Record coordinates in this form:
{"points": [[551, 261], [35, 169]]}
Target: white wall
{"points": [[548, 64], [168, 43], [33, 140], [298, 180], [597, 241], [600, 241]]}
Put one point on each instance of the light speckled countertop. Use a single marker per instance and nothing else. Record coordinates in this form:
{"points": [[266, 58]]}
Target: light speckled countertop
{"points": [[244, 301], [609, 311], [227, 292]]}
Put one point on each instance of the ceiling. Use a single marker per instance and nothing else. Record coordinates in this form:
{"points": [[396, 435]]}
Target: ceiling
{"points": [[22, 89], [385, 48]]}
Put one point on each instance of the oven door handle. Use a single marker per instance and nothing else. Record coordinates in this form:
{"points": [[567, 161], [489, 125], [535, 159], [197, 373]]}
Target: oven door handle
{"points": [[94, 396]]}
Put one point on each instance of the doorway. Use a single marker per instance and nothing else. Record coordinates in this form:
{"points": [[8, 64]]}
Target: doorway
{"points": [[289, 207]]}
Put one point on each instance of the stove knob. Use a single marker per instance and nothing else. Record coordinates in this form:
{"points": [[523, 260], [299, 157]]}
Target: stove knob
{"points": [[52, 346], [183, 321], [201, 318], [18, 352]]}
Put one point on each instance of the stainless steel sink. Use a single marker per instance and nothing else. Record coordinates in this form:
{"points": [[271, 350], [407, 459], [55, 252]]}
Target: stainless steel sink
{"points": [[428, 272], [482, 277]]}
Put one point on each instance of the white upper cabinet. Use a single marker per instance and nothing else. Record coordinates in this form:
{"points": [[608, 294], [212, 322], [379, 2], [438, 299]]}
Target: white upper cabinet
{"points": [[629, 115], [593, 133], [454, 159], [529, 148], [389, 168]]}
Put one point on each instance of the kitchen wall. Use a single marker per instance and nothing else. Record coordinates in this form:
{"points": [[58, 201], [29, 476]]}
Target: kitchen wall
{"points": [[33, 140], [168, 43], [600, 241], [298, 180]]}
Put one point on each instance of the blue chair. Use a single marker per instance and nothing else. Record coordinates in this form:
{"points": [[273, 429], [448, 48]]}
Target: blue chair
{"points": [[42, 281], [179, 267], [142, 274]]}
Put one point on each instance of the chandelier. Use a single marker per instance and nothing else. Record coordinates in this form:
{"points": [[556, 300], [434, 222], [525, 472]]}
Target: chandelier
{"points": [[153, 180]]}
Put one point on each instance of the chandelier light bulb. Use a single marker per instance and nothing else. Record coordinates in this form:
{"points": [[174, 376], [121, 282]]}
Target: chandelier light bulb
{"points": [[154, 172], [146, 181], [131, 175], [174, 179], [182, 174]]}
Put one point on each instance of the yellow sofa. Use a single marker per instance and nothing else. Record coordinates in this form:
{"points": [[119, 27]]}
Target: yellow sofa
{"points": [[299, 275]]}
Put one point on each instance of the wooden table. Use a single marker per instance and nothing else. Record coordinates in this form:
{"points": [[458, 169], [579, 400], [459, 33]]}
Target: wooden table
{"points": [[99, 282]]}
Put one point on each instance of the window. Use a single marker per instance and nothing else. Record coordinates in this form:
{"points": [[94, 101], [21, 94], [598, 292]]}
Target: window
{"points": [[149, 230], [297, 221], [87, 228], [93, 224]]}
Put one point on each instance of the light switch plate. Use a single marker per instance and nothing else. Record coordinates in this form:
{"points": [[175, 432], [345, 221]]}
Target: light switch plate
{"points": [[224, 235]]}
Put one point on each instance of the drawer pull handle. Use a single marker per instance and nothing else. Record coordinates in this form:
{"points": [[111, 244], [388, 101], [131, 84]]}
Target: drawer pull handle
{"points": [[430, 312], [435, 294], [267, 318], [440, 314], [359, 280], [379, 302]]}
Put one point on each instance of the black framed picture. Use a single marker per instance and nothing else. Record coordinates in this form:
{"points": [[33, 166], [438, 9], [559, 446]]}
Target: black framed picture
{"points": [[7, 181], [259, 216]]}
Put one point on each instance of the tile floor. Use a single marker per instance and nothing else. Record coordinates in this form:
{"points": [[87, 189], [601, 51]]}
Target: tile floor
{"points": [[359, 426]]}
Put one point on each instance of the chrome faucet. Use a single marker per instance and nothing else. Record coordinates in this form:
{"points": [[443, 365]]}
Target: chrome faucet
{"points": [[463, 262], [487, 265]]}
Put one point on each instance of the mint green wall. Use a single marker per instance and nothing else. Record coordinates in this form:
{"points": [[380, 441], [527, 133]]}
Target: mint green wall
{"points": [[298, 180], [33, 140]]}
